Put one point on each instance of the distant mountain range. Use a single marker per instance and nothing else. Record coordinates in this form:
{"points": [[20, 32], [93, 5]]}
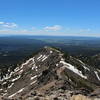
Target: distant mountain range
{"points": [[51, 75]]}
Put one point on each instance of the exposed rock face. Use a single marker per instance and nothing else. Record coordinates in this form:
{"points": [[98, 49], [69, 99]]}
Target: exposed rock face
{"points": [[81, 97], [50, 76]]}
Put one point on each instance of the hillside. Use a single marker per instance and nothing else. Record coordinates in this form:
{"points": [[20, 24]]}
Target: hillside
{"points": [[50, 75]]}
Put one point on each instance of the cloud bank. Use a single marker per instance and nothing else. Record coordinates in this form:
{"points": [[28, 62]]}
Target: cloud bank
{"points": [[12, 28], [8, 25], [53, 28]]}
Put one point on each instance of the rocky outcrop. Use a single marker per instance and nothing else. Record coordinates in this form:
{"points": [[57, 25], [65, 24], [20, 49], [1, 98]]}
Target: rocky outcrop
{"points": [[82, 97]]}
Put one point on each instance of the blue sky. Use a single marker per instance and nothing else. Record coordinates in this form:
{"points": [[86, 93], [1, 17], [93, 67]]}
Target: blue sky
{"points": [[50, 17]]}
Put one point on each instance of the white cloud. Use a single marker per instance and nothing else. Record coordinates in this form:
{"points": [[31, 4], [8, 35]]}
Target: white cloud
{"points": [[53, 28], [1, 23], [10, 28], [85, 30], [43, 32], [29, 32], [8, 25], [33, 28]]}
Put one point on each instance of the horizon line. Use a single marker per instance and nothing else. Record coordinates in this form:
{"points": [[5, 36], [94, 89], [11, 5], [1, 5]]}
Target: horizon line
{"points": [[2, 35]]}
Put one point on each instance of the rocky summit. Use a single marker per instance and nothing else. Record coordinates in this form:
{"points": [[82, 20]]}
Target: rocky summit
{"points": [[51, 75]]}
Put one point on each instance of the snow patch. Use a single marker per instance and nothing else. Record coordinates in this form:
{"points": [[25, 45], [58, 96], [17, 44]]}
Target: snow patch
{"points": [[62, 59], [31, 59], [7, 76], [1, 89], [4, 94], [16, 93], [96, 73], [72, 68], [36, 68], [57, 64], [20, 90], [16, 69], [84, 65], [33, 66], [5, 91], [33, 77], [13, 80], [32, 82], [10, 85], [51, 51], [20, 71], [4, 83], [86, 68], [44, 58], [39, 58]]}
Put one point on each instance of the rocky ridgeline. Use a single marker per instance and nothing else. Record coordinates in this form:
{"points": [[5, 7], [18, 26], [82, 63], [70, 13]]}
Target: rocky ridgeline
{"points": [[51, 75]]}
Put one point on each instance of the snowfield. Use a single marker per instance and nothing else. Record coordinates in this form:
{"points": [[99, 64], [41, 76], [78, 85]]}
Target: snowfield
{"points": [[72, 68]]}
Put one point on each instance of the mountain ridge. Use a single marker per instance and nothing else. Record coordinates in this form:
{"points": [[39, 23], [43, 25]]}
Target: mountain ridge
{"points": [[47, 72]]}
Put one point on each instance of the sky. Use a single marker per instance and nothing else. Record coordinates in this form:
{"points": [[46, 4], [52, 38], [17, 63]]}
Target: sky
{"points": [[50, 17]]}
